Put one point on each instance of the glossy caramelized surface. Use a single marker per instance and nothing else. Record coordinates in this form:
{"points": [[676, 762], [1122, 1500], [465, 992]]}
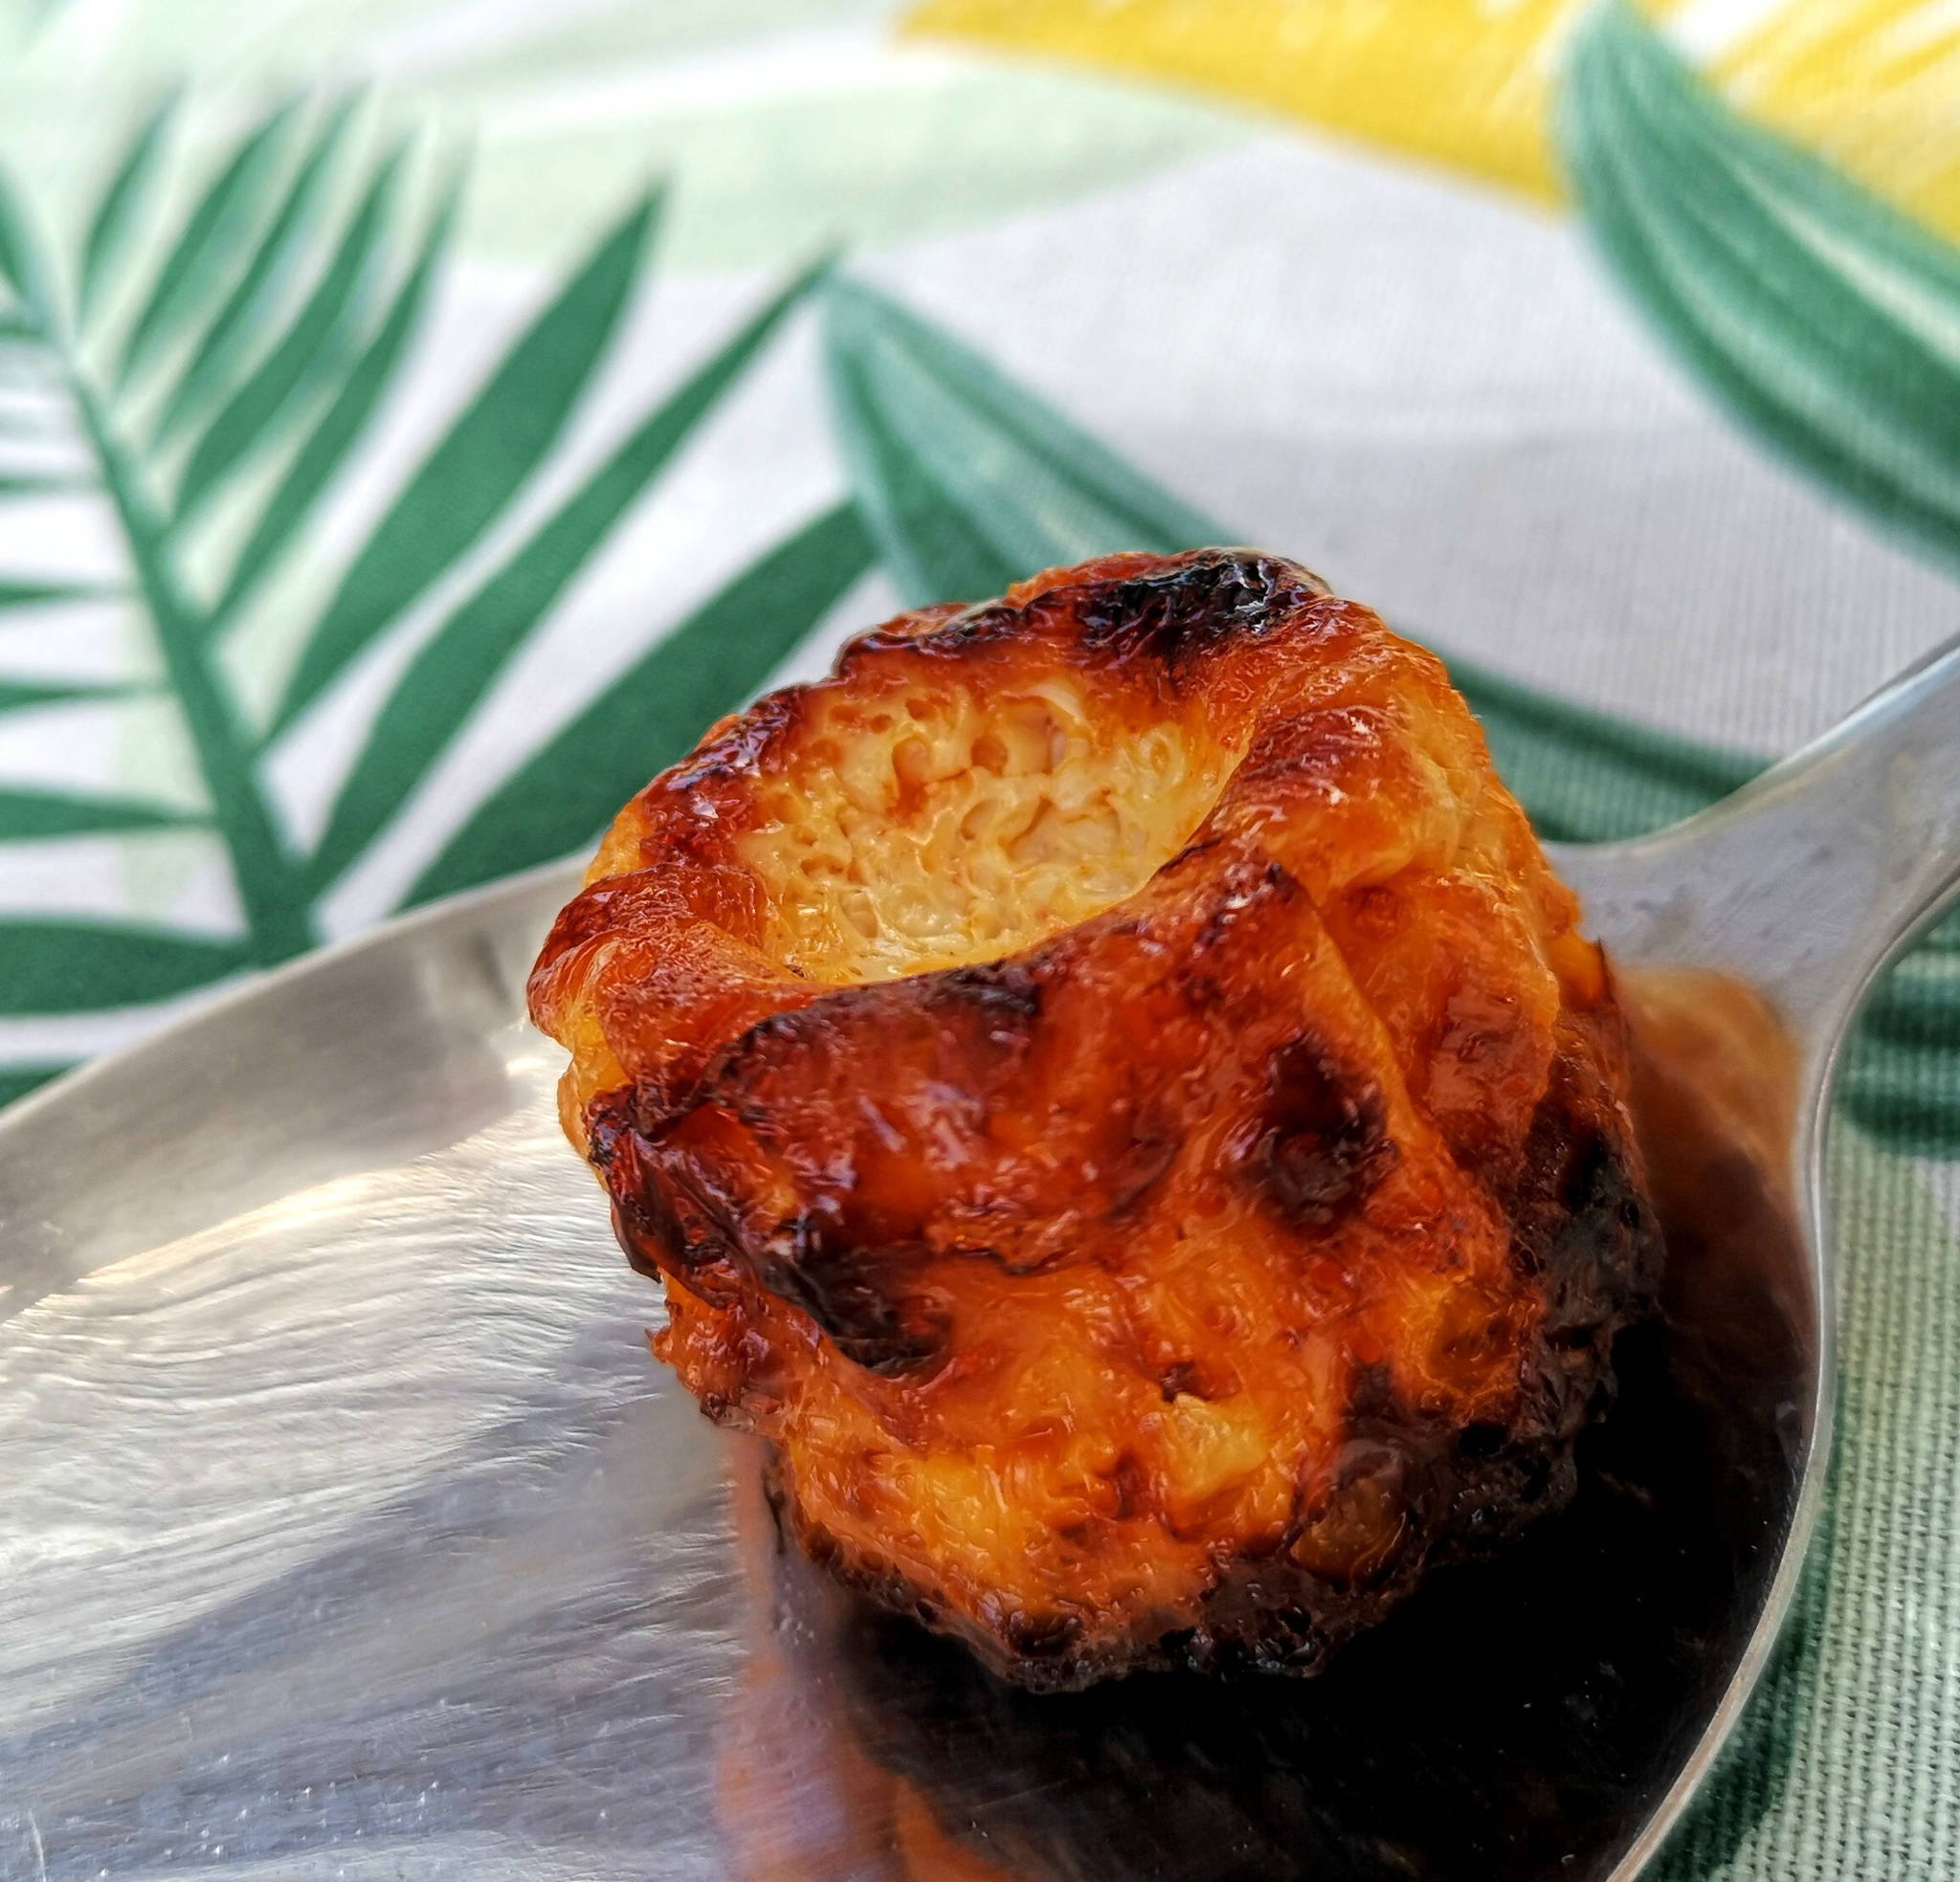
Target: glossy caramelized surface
{"points": [[1119, 1099]]}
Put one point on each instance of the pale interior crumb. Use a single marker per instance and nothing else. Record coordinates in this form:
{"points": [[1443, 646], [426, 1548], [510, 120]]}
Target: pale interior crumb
{"points": [[928, 829]]}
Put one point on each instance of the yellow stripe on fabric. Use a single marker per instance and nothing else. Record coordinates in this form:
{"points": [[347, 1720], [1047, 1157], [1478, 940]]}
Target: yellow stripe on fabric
{"points": [[1462, 82], [1872, 85]]}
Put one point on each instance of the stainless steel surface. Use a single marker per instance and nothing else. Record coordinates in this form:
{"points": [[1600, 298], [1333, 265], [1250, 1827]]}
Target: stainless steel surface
{"points": [[350, 1530]]}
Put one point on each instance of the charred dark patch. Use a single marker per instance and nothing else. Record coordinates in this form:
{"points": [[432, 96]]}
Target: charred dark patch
{"points": [[1373, 1401], [1180, 1379], [1194, 606], [738, 752], [1592, 1180], [663, 1227], [1326, 1143], [1155, 1138], [1366, 1521], [995, 1006], [653, 1241], [1480, 1441], [607, 1126], [1003, 992], [1579, 1215], [1239, 891], [862, 1298], [1132, 1486], [949, 631], [1043, 1636], [674, 1217]]}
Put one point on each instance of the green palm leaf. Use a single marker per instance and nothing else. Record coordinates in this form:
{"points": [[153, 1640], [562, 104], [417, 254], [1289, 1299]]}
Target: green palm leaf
{"points": [[36, 813], [1901, 1075], [213, 240], [451, 674], [1825, 319], [22, 272], [1587, 777], [70, 966], [116, 215], [480, 465], [340, 427], [1920, 1004], [1904, 1094], [1830, 325], [19, 695], [566, 794], [253, 300], [299, 355], [314, 387], [968, 484], [43, 486], [34, 594], [17, 1080]]}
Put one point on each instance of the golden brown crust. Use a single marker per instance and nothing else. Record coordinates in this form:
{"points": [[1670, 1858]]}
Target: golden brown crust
{"points": [[1120, 1100]]}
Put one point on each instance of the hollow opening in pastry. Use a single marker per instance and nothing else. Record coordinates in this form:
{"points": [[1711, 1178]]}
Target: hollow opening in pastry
{"points": [[928, 827]]}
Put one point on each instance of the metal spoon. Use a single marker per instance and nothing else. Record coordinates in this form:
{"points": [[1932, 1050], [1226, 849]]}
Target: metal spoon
{"points": [[351, 1529]]}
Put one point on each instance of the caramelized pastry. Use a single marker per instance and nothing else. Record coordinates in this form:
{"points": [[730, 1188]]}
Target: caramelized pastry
{"points": [[1116, 1098]]}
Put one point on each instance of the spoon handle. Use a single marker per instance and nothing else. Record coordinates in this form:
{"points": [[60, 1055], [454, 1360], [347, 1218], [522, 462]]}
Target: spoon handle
{"points": [[1808, 879]]}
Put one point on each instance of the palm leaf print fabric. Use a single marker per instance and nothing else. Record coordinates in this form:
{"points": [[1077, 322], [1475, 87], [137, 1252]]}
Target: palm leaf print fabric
{"points": [[418, 422]]}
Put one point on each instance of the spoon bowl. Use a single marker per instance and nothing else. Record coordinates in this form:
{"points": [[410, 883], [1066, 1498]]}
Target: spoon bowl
{"points": [[352, 1526]]}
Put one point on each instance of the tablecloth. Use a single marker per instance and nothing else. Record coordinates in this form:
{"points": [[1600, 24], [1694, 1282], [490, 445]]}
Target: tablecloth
{"points": [[418, 419]]}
